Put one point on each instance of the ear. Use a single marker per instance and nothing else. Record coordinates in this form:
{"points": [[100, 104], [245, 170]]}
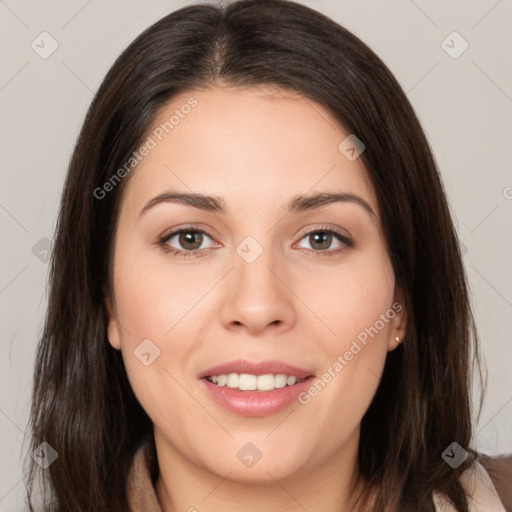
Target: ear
{"points": [[113, 326], [398, 322]]}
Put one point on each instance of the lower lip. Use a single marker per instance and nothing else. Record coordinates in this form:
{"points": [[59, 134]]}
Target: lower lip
{"points": [[256, 403]]}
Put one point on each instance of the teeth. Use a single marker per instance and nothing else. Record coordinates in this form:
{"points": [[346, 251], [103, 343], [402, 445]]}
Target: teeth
{"points": [[280, 380], [232, 380], [291, 381], [248, 382]]}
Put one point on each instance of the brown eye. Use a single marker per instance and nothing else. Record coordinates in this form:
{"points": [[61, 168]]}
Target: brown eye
{"points": [[321, 240], [186, 242], [190, 240]]}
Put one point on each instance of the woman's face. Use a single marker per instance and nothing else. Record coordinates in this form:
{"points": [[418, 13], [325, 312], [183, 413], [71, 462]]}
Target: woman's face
{"points": [[254, 286]]}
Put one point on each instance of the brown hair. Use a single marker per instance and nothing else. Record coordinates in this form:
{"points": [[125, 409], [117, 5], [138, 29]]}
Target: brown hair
{"points": [[82, 403]]}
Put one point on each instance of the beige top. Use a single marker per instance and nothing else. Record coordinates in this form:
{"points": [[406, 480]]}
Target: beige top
{"points": [[142, 494]]}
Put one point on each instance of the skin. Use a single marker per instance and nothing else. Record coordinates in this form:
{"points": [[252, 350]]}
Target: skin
{"points": [[257, 149]]}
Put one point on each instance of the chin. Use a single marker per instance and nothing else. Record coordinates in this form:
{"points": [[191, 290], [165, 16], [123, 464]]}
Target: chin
{"points": [[259, 461]]}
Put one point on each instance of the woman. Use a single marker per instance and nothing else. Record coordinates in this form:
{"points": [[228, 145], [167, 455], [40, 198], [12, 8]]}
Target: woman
{"points": [[311, 349]]}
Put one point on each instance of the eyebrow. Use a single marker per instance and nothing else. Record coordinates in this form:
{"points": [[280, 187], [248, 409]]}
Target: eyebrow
{"points": [[216, 204]]}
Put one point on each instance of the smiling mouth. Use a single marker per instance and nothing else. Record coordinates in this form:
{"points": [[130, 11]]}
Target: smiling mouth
{"points": [[249, 382]]}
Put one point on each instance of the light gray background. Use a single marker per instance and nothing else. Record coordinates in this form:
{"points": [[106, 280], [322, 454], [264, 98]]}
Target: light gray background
{"points": [[465, 105]]}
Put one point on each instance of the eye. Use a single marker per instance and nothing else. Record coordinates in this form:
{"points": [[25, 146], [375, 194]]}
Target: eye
{"points": [[320, 240], [189, 241]]}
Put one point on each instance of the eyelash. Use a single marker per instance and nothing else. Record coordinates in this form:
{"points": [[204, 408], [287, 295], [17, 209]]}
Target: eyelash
{"points": [[347, 243]]}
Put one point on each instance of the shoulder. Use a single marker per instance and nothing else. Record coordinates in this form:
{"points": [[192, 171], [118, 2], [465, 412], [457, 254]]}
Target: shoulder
{"points": [[499, 470], [488, 484], [140, 488]]}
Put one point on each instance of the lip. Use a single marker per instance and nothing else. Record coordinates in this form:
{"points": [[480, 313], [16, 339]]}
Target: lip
{"points": [[255, 368], [255, 403]]}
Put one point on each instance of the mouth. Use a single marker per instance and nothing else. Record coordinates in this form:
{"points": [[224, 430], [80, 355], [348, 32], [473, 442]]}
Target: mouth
{"points": [[249, 388], [249, 382]]}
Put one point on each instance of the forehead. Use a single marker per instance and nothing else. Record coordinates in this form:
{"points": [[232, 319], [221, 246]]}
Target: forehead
{"points": [[255, 147]]}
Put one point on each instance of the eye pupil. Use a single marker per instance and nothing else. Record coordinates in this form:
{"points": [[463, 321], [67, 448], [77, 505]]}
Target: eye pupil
{"points": [[317, 238], [187, 237]]}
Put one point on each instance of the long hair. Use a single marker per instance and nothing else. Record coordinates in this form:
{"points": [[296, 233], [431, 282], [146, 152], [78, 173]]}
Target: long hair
{"points": [[82, 402]]}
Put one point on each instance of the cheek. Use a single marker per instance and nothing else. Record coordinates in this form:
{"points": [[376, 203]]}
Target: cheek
{"points": [[359, 315], [158, 307], [351, 298], [154, 297]]}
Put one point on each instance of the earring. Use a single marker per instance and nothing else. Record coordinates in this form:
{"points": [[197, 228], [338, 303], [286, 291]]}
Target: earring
{"points": [[398, 340]]}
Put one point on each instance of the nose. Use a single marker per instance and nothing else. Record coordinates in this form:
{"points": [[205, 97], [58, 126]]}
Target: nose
{"points": [[258, 297]]}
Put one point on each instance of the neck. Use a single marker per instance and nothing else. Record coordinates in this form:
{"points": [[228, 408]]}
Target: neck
{"points": [[330, 485]]}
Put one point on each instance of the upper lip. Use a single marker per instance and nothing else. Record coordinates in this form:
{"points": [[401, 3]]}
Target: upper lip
{"points": [[255, 368]]}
